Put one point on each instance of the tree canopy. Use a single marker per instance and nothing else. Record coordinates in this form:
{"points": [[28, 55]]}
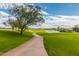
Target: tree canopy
{"points": [[27, 15]]}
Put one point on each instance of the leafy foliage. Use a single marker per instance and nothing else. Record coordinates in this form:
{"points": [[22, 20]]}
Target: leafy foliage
{"points": [[27, 15]]}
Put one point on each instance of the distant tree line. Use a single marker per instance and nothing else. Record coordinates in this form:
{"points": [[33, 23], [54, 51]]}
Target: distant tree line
{"points": [[75, 28]]}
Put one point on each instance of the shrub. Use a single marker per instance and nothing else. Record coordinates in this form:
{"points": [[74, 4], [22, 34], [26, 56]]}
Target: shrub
{"points": [[65, 30]]}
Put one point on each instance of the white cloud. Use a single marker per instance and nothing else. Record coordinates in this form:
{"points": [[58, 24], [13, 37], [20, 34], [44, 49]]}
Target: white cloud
{"points": [[44, 12], [8, 5], [60, 20], [4, 13], [50, 21]]}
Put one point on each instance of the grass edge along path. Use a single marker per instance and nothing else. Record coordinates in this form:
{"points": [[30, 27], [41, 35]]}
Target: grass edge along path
{"points": [[33, 47], [61, 44], [12, 39]]}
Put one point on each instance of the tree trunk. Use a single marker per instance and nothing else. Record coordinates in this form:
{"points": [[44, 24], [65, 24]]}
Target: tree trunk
{"points": [[21, 31], [12, 28]]}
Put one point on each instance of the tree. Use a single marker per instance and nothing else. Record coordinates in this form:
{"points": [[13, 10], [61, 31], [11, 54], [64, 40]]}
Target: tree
{"points": [[12, 23], [76, 28], [27, 15], [5, 23], [58, 28]]}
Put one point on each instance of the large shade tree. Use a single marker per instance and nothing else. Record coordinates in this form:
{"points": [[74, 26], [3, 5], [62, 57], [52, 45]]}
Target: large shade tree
{"points": [[27, 15]]}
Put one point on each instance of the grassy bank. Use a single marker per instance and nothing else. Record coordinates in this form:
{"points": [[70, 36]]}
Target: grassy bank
{"points": [[61, 44], [10, 39]]}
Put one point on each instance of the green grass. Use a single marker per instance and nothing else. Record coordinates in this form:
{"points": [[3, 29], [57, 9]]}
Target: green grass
{"points": [[61, 44], [10, 39], [36, 30], [56, 44]]}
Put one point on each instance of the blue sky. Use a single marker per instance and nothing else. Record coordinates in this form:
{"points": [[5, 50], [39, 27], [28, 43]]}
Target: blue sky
{"points": [[71, 9], [65, 14], [61, 8]]}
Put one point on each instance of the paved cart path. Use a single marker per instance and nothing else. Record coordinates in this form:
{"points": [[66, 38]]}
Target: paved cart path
{"points": [[33, 47]]}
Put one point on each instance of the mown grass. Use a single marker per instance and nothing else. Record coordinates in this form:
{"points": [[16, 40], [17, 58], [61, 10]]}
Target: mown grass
{"points": [[56, 44], [61, 44], [10, 39], [36, 30]]}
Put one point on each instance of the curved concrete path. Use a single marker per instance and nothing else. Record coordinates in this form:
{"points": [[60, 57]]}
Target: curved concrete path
{"points": [[33, 47]]}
